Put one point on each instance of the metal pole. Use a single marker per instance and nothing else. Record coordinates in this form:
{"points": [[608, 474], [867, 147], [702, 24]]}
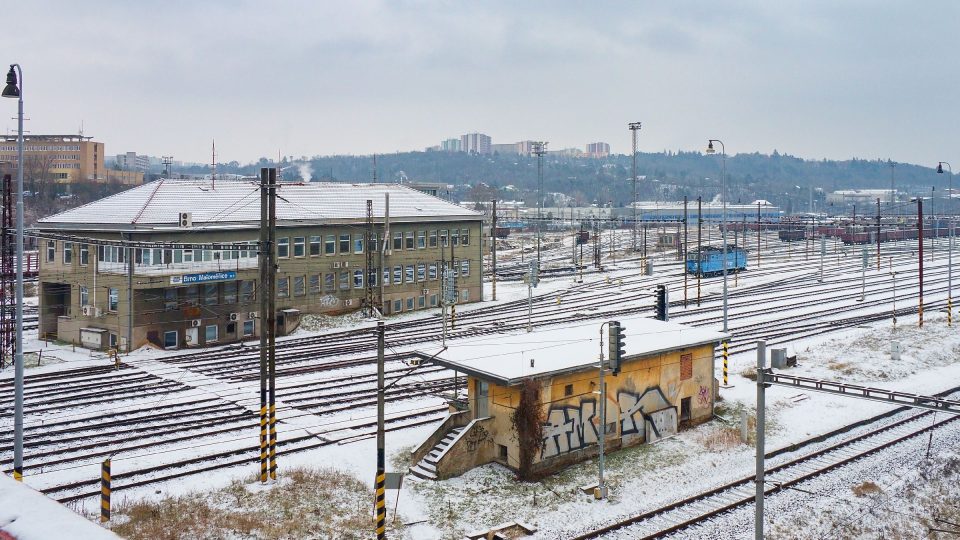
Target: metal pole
{"points": [[530, 298], [878, 234], [380, 504], [758, 234], [761, 405], [601, 488], [18, 351], [130, 261], [920, 253], [699, 246], [634, 127], [272, 323], [494, 265], [264, 262], [724, 195], [686, 248]]}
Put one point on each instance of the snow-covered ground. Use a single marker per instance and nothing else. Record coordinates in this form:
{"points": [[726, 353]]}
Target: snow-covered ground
{"points": [[783, 290]]}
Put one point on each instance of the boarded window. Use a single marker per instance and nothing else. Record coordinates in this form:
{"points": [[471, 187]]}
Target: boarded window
{"points": [[686, 366]]}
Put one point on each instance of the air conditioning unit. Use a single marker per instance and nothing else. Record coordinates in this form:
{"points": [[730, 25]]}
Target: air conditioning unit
{"points": [[234, 316], [413, 362], [186, 219], [253, 315], [348, 303], [195, 323], [336, 265], [425, 292], [88, 311], [346, 264]]}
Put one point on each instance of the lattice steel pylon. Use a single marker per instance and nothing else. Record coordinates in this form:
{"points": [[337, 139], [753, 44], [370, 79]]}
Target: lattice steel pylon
{"points": [[370, 300], [7, 276]]}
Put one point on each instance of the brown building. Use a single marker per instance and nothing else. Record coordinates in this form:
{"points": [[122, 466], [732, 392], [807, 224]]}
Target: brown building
{"points": [[63, 159], [194, 297], [666, 381]]}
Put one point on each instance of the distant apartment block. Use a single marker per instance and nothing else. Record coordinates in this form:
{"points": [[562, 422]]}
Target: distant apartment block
{"points": [[598, 150], [131, 161], [475, 143], [450, 145], [63, 159]]}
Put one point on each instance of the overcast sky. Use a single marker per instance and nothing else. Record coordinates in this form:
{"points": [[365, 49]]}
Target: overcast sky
{"points": [[816, 79]]}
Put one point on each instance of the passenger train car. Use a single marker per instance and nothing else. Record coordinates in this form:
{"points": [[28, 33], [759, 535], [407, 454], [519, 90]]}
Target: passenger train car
{"points": [[708, 261]]}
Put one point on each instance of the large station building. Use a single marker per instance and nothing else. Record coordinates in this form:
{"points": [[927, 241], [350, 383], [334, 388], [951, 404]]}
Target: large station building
{"points": [[64, 159], [666, 381], [196, 297]]}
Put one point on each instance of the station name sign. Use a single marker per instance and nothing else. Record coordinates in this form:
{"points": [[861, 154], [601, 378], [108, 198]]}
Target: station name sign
{"points": [[186, 279]]}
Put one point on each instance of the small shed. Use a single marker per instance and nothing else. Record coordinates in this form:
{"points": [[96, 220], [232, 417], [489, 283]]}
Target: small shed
{"points": [[666, 381]]}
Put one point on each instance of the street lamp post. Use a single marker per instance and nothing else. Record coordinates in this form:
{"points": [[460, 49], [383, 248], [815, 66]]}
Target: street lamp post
{"points": [[723, 225], [634, 127], [949, 241], [14, 89]]}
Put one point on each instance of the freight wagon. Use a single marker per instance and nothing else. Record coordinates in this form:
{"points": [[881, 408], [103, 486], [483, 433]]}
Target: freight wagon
{"points": [[708, 260]]}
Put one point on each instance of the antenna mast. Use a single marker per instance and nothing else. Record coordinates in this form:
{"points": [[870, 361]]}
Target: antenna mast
{"points": [[213, 161], [374, 168]]}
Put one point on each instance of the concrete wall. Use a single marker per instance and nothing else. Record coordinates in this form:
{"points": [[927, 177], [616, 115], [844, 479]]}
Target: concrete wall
{"points": [[473, 447]]}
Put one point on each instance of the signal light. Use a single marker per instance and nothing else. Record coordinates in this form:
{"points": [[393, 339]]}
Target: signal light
{"points": [[617, 346], [662, 305]]}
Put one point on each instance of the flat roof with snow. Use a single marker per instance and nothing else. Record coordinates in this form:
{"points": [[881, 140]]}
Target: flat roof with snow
{"points": [[506, 358], [236, 203]]}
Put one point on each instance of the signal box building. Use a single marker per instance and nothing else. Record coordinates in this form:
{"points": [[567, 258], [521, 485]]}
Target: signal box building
{"points": [[196, 297], [666, 381]]}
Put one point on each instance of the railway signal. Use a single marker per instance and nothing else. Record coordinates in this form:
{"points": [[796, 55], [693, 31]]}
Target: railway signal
{"points": [[662, 306], [617, 345]]}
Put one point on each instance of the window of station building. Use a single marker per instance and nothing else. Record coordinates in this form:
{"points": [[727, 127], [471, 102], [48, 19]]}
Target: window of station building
{"points": [[110, 254], [113, 299], [455, 268], [170, 340], [358, 279], [329, 282], [248, 327], [191, 295], [464, 295], [84, 296], [247, 291], [465, 237], [421, 302], [84, 254], [409, 240], [374, 272], [344, 244], [455, 236], [344, 281], [315, 284], [210, 333], [299, 247], [386, 276], [465, 267], [169, 299], [568, 390], [52, 250], [188, 255], [397, 306], [143, 256], [230, 292], [283, 248], [283, 287], [330, 245], [358, 243], [211, 294], [314, 246], [433, 239], [397, 275], [410, 304], [421, 239], [373, 242], [299, 285], [433, 300], [409, 273], [433, 271], [114, 341], [398, 241], [421, 272], [206, 255], [67, 252], [443, 238]]}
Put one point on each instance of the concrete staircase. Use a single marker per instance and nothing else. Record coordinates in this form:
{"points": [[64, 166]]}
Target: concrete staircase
{"points": [[427, 467]]}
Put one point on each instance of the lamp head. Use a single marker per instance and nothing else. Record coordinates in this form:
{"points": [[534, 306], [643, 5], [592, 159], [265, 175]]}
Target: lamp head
{"points": [[940, 168], [710, 149], [11, 90]]}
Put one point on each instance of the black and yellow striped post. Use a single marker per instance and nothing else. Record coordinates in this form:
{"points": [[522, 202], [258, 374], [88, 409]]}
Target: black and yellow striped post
{"points": [[263, 440], [105, 491], [726, 356], [18, 474], [273, 440], [381, 504], [949, 311]]}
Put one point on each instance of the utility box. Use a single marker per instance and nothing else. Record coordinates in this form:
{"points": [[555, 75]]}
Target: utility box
{"points": [[649, 269], [778, 358], [895, 350]]}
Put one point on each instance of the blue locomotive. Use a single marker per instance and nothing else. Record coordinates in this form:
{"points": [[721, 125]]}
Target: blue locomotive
{"points": [[708, 260]]}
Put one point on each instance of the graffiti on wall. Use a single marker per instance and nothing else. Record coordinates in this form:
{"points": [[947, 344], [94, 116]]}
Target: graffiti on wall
{"points": [[475, 437], [703, 396], [573, 427]]}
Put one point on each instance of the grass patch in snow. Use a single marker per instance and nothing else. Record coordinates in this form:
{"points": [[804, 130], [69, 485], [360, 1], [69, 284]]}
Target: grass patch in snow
{"points": [[304, 503]]}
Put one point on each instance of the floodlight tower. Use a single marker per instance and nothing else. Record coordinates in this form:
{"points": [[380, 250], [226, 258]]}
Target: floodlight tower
{"points": [[949, 241], [723, 225], [539, 149], [634, 128]]}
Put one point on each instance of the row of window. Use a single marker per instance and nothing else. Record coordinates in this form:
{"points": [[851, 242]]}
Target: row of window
{"points": [[211, 333], [409, 304], [418, 273], [68, 250], [345, 243], [41, 148]]}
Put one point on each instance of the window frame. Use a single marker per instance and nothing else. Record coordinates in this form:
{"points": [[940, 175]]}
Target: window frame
{"points": [[315, 241], [299, 244], [206, 333], [283, 248], [344, 242], [51, 251], [68, 253]]}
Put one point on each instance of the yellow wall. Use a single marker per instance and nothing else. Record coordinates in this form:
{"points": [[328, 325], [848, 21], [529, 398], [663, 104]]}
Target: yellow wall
{"points": [[648, 384]]}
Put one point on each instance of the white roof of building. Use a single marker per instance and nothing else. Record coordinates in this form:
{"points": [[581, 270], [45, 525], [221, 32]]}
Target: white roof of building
{"points": [[232, 203], [26, 514], [506, 358]]}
